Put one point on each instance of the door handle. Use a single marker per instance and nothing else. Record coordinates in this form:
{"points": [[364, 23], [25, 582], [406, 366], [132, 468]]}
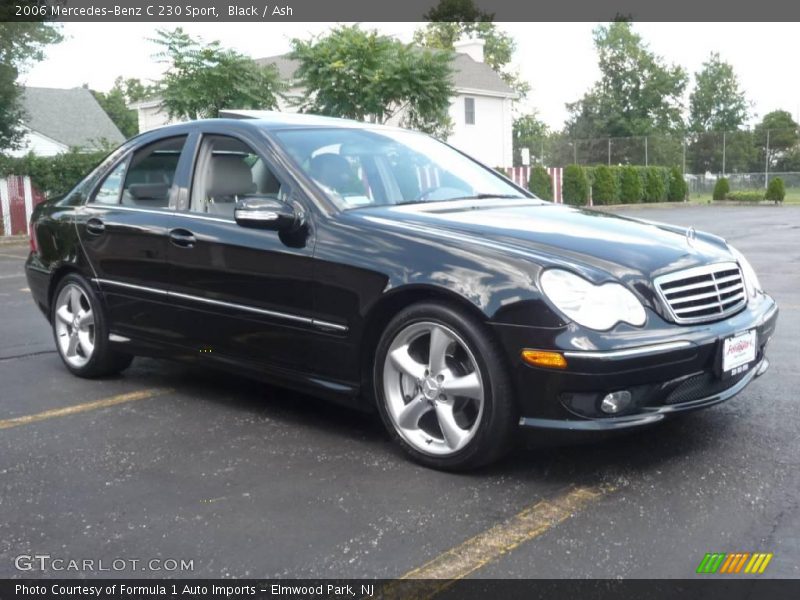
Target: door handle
{"points": [[182, 238], [95, 226]]}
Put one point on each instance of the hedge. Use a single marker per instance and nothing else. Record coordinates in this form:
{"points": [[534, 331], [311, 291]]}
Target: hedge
{"points": [[677, 190], [540, 184], [605, 186], [776, 190], [721, 189], [746, 195], [52, 175], [575, 189]]}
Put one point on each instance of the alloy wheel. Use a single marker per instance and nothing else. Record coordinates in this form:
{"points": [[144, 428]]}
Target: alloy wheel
{"points": [[433, 388], [74, 325]]}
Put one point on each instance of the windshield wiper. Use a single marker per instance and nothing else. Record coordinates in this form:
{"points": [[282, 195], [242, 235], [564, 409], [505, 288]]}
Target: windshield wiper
{"points": [[486, 196]]}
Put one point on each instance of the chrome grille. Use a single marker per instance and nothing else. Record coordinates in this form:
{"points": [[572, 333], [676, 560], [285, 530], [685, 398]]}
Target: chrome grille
{"points": [[704, 293]]}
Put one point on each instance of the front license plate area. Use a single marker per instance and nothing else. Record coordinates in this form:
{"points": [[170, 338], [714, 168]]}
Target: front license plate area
{"points": [[738, 353]]}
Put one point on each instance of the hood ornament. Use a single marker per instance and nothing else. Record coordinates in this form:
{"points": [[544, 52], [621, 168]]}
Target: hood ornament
{"points": [[691, 236]]}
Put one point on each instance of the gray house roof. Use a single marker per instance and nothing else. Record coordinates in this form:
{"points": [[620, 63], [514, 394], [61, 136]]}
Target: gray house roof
{"points": [[467, 73], [72, 117]]}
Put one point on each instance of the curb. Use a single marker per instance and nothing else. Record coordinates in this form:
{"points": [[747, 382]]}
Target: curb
{"points": [[13, 240]]}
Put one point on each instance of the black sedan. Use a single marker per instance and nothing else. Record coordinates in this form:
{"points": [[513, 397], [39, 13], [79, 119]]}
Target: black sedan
{"points": [[385, 270]]}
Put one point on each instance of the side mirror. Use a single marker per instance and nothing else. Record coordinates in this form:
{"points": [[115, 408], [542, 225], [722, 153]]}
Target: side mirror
{"points": [[265, 212]]}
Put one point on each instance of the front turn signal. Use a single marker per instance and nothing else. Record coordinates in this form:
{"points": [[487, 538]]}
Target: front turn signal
{"points": [[541, 358]]}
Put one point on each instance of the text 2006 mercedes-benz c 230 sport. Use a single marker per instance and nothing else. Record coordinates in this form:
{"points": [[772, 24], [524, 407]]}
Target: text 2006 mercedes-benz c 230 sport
{"points": [[383, 269]]}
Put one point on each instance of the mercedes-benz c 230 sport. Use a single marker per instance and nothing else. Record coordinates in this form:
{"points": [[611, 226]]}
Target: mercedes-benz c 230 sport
{"points": [[385, 270]]}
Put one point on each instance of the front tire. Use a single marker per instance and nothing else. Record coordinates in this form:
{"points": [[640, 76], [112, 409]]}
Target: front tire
{"points": [[442, 388], [81, 332]]}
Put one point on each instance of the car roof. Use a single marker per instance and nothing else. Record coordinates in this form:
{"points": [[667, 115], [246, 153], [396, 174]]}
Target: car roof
{"points": [[270, 120]]}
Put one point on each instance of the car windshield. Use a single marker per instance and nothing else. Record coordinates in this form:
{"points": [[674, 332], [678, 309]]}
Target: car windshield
{"points": [[359, 168]]}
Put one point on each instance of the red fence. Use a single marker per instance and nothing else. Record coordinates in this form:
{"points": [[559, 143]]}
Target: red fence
{"points": [[17, 199], [521, 175]]}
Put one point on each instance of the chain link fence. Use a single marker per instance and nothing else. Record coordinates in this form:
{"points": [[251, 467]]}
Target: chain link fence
{"points": [[749, 159]]}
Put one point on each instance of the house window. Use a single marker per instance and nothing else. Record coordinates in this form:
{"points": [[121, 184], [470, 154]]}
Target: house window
{"points": [[469, 111]]}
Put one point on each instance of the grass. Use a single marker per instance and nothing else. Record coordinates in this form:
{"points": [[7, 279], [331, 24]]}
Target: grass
{"points": [[792, 197]]}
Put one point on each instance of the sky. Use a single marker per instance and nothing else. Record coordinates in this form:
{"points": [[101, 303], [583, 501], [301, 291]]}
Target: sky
{"points": [[557, 59]]}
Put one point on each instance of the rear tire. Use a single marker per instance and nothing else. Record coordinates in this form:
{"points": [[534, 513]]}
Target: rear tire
{"points": [[80, 330], [442, 388]]}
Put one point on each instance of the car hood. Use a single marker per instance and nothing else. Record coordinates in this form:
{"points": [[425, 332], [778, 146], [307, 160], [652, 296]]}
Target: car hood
{"points": [[619, 245]]}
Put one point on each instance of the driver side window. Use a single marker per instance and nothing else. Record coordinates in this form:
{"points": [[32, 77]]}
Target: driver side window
{"points": [[227, 169]]}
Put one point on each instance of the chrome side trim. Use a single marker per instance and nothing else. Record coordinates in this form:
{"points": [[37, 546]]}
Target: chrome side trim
{"points": [[629, 352], [167, 212], [318, 323], [131, 286]]}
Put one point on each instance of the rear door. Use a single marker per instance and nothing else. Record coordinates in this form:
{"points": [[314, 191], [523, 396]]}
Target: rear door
{"points": [[123, 231], [244, 293]]}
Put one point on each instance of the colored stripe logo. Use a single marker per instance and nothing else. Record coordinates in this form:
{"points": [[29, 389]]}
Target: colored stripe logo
{"points": [[734, 563]]}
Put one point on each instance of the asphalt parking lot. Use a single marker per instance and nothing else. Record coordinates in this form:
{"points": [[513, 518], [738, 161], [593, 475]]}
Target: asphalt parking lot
{"points": [[247, 480]]}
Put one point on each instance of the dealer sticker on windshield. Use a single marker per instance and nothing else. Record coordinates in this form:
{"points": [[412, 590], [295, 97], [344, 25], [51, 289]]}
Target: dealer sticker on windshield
{"points": [[738, 352]]}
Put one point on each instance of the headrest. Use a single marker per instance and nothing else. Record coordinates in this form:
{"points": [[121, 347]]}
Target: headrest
{"points": [[229, 175], [331, 170]]}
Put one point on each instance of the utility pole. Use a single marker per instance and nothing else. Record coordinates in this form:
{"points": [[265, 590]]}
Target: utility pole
{"points": [[724, 140], [684, 156], [766, 163], [645, 152], [609, 152]]}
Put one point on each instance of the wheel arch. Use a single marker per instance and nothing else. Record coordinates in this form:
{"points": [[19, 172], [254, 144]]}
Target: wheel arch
{"points": [[58, 274], [385, 309]]}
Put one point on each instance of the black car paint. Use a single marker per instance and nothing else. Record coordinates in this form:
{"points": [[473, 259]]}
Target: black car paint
{"points": [[344, 273]]}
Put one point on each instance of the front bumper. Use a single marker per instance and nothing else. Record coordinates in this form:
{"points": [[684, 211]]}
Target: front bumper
{"points": [[667, 369]]}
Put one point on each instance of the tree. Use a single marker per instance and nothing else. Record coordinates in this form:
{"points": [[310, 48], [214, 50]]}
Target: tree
{"points": [[115, 103], [528, 132], [362, 75], [638, 94], [202, 79], [451, 20], [784, 138], [717, 102], [21, 43]]}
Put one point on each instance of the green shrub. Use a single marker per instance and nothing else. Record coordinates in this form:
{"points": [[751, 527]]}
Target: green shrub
{"points": [[540, 183], [746, 195], [721, 189], [52, 175], [655, 189], [605, 189], [576, 186], [630, 186], [776, 190], [677, 190]]}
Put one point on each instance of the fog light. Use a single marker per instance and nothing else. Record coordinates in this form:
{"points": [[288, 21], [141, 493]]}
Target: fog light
{"points": [[615, 402]]}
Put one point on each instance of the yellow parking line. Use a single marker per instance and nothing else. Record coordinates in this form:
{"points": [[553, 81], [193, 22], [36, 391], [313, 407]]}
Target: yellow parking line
{"points": [[460, 561], [79, 408]]}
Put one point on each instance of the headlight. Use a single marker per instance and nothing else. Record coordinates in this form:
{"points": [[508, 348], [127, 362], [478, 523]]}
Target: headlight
{"points": [[751, 281], [594, 306]]}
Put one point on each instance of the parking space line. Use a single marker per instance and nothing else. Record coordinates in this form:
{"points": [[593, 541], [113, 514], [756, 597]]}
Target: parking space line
{"points": [[79, 408], [476, 552], [6, 255]]}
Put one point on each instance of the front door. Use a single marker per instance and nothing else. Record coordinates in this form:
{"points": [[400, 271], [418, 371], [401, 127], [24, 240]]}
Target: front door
{"points": [[244, 293]]}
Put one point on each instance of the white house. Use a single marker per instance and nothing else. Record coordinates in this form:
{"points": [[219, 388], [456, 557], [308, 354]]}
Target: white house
{"points": [[480, 110], [55, 120]]}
